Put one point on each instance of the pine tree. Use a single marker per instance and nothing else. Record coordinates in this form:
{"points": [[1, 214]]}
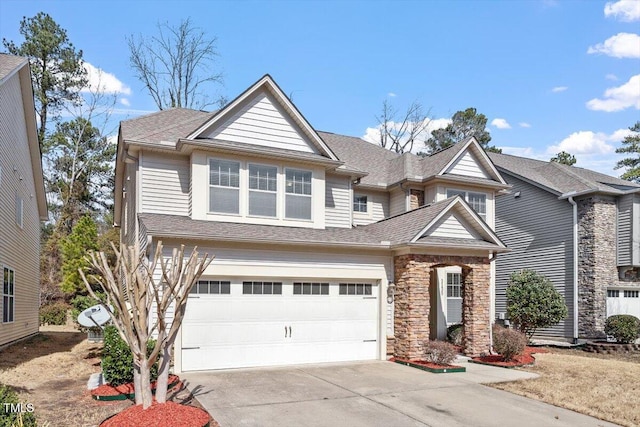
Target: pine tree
{"points": [[631, 145]]}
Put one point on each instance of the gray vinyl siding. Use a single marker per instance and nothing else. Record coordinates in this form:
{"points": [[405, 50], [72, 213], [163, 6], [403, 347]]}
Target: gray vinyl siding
{"points": [[165, 184], [397, 202], [377, 207], [625, 229], [129, 221], [19, 247], [538, 228], [337, 201], [635, 235]]}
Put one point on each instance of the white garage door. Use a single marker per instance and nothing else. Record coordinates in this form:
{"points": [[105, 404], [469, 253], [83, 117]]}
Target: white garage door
{"points": [[232, 324], [623, 301]]}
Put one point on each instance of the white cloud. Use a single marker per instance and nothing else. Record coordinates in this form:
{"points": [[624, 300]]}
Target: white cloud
{"points": [[500, 123], [125, 102], [372, 134], [392, 95], [622, 45], [587, 142], [559, 89], [611, 77], [619, 98], [624, 10], [102, 82], [524, 125]]}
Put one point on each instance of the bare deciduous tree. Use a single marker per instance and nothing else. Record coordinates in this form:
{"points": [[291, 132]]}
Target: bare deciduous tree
{"points": [[133, 293], [400, 132], [175, 65]]}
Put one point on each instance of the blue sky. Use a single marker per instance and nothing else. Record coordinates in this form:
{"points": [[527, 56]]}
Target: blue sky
{"points": [[549, 75]]}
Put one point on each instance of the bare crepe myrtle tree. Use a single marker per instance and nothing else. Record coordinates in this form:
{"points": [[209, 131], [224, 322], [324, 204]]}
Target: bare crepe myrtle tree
{"points": [[133, 293], [399, 132]]}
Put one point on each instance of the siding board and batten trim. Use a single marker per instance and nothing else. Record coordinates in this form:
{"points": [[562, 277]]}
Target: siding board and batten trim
{"points": [[468, 165], [262, 122], [452, 226], [538, 242], [19, 247], [165, 183]]}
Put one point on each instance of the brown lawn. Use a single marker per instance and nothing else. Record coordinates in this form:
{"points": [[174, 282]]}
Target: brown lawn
{"points": [[603, 386], [51, 371]]}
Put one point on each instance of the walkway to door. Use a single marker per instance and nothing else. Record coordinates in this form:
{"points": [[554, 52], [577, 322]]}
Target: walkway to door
{"points": [[371, 394]]}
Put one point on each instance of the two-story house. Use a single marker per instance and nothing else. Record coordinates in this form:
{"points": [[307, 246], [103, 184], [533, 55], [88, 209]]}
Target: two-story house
{"points": [[579, 228], [22, 202], [327, 247]]}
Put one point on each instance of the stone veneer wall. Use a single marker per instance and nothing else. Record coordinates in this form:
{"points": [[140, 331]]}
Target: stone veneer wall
{"points": [[412, 302], [597, 267], [416, 199]]}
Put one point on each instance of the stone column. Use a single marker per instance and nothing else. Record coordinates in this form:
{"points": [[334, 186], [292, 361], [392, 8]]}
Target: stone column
{"points": [[411, 306], [597, 264], [476, 307]]}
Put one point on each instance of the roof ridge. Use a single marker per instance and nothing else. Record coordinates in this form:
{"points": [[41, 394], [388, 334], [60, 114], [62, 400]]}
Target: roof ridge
{"points": [[568, 171]]}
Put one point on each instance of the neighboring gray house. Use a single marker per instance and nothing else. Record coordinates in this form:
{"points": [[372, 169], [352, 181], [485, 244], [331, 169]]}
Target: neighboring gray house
{"points": [[579, 228], [22, 202]]}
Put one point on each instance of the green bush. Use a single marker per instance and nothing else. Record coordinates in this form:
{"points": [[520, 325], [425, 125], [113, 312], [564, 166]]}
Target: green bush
{"points": [[117, 360], [54, 313], [9, 418], [509, 343], [533, 302], [439, 352], [455, 334], [625, 328]]}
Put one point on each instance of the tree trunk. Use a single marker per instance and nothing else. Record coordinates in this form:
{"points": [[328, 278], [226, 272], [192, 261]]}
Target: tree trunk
{"points": [[143, 393], [137, 384], [163, 375]]}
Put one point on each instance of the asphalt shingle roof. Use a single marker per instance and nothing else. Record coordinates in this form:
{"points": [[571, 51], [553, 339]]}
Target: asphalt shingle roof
{"points": [[8, 63], [561, 178]]}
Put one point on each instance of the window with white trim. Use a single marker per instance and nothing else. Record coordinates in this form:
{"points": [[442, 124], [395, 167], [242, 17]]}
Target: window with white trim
{"points": [[224, 186], [454, 285], [359, 203], [355, 289], [263, 190], [211, 287], [262, 288], [298, 194], [477, 201], [306, 288], [8, 294]]}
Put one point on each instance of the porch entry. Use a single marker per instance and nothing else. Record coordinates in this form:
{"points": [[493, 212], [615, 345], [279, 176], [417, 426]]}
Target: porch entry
{"points": [[446, 300]]}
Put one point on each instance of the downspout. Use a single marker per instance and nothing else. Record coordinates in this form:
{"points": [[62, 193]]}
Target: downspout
{"points": [[575, 269], [407, 202]]}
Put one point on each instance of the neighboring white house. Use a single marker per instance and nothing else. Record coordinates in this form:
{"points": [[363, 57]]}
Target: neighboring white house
{"points": [[22, 202], [327, 247]]}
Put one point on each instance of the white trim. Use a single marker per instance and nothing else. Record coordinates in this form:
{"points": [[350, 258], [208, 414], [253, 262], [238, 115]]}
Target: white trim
{"points": [[268, 83], [481, 153]]}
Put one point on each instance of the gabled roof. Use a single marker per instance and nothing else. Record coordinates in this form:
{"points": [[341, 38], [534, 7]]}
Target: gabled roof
{"points": [[165, 125], [9, 66], [401, 230], [268, 84], [561, 179]]}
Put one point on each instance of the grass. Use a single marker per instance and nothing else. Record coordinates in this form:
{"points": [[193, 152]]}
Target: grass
{"points": [[602, 386]]}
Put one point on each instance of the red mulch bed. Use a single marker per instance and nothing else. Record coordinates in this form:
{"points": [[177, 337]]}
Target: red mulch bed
{"points": [[109, 390], [167, 414], [524, 359]]}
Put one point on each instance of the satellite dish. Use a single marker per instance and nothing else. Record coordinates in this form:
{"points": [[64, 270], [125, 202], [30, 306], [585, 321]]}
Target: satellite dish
{"points": [[94, 316]]}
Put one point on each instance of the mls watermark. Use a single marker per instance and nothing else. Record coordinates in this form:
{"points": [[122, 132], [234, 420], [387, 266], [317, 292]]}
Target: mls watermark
{"points": [[16, 408]]}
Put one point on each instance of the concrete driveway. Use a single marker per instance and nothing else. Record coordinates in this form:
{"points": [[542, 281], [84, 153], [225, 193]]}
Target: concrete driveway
{"points": [[371, 394]]}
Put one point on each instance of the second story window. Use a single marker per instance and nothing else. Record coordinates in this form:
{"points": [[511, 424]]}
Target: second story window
{"points": [[298, 194], [224, 186], [359, 203], [477, 201], [263, 190]]}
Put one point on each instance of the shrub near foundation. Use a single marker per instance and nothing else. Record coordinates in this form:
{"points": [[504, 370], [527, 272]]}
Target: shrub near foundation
{"points": [[455, 333], [117, 360], [509, 343], [54, 314], [625, 328], [439, 352]]}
